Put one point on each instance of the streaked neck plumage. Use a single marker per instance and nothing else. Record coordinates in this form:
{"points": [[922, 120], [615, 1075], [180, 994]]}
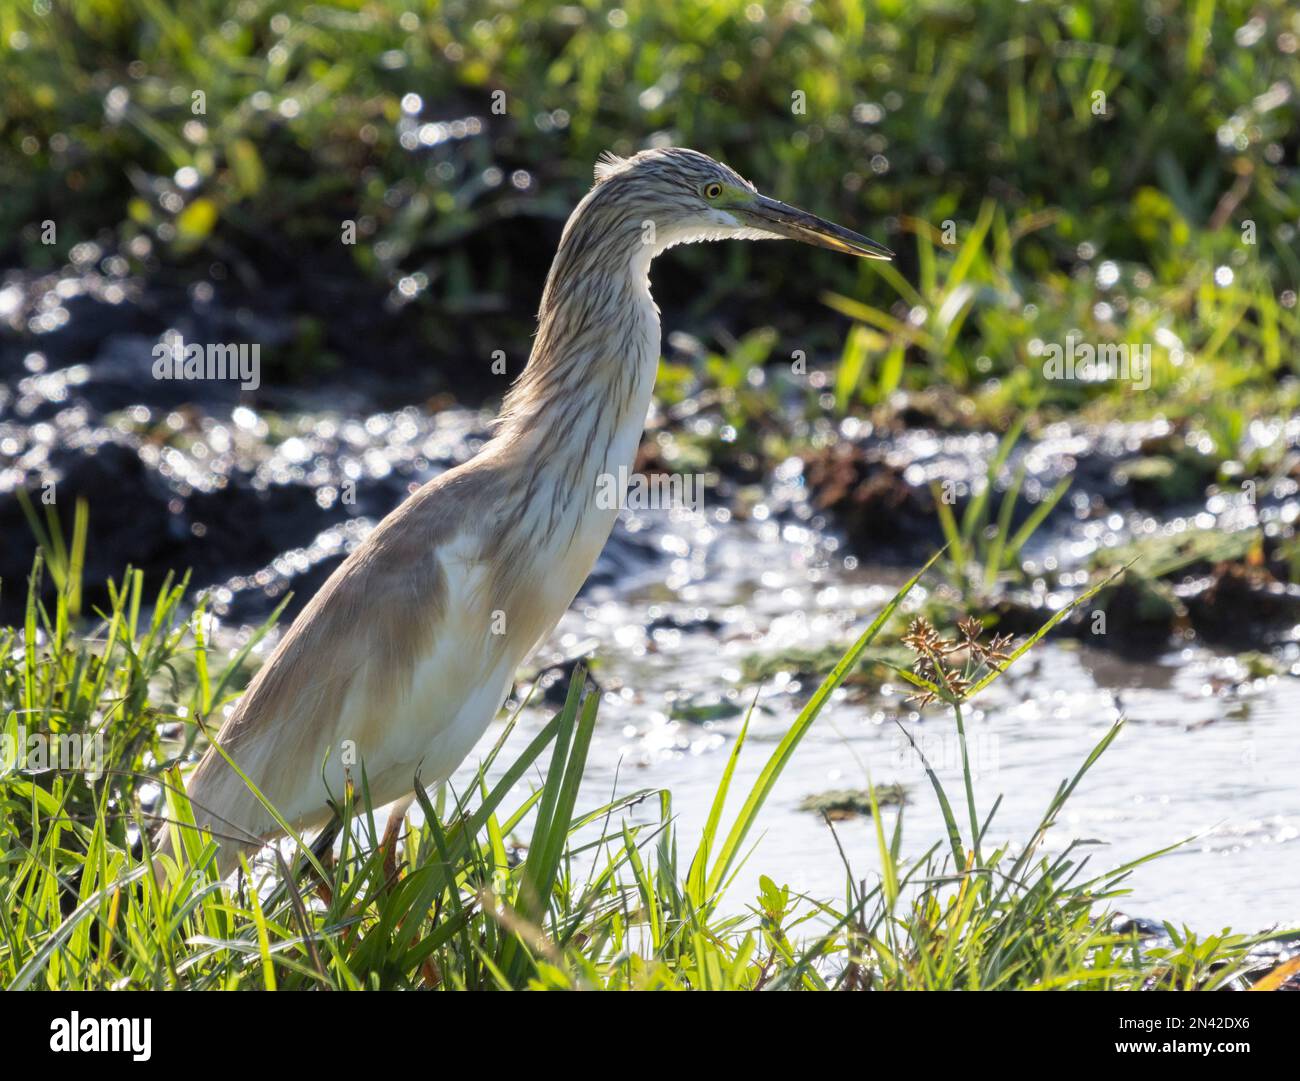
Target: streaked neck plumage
{"points": [[579, 408]]}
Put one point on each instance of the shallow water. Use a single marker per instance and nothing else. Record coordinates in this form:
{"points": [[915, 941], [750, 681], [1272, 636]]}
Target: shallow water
{"points": [[1207, 756]]}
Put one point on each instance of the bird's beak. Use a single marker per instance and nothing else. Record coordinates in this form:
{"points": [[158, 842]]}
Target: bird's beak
{"points": [[789, 221]]}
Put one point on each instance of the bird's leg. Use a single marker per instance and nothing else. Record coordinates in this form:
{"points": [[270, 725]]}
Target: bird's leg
{"points": [[392, 831], [323, 849], [323, 889]]}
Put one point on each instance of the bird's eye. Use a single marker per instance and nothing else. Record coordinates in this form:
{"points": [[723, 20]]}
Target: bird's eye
{"points": [[712, 191]]}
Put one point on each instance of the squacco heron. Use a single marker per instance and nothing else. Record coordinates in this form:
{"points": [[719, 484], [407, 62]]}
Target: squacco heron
{"points": [[408, 651]]}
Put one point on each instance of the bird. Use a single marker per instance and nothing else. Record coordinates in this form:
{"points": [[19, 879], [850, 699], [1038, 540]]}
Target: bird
{"points": [[406, 654]]}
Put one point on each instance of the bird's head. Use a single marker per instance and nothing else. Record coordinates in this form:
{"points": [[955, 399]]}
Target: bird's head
{"points": [[685, 196]]}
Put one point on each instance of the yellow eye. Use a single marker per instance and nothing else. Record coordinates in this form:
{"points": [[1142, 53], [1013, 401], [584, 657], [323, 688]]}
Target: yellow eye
{"points": [[712, 191]]}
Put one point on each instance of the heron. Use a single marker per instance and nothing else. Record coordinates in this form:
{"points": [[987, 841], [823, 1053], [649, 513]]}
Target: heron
{"points": [[406, 654]]}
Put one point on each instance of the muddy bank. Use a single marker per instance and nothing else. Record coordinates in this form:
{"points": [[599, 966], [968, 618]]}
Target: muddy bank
{"points": [[1201, 555]]}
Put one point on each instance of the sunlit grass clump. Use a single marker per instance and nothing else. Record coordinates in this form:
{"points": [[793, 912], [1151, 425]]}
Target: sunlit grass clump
{"points": [[507, 883]]}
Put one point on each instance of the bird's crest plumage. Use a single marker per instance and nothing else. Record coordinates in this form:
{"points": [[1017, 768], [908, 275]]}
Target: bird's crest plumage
{"points": [[608, 164]]}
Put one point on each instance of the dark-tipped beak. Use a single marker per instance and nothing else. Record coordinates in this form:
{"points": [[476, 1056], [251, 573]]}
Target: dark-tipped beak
{"points": [[789, 221]]}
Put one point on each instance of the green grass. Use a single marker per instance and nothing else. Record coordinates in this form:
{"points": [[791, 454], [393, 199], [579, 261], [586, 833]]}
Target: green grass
{"points": [[981, 550], [506, 884]]}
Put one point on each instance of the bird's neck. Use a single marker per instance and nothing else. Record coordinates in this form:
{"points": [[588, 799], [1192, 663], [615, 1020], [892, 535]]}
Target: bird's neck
{"points": [[568, 435], [594, 359], [571, 424]]}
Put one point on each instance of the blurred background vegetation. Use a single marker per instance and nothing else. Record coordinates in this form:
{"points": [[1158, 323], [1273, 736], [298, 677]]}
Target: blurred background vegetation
{"points": [[1121, 172]]}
